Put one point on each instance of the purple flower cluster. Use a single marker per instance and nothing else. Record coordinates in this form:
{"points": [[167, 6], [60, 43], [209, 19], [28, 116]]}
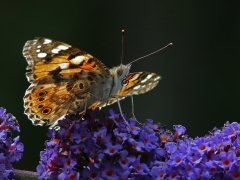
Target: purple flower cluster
{"points": [[109, 149], [10, 149]]}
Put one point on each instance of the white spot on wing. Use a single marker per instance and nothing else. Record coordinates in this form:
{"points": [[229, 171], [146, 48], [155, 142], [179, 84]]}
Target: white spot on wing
{"points": [[149, 76], [135, 77], [39, 46], [150, 84], [38, 50], [157, 78], [41, 55], [64, 65], [47, 41], [55, 50], [62, 47], [136, 87], [144, 80], [77, 60]]}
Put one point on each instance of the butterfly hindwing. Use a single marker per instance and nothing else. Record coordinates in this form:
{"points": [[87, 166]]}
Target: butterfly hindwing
{"points": [[48, 102]]}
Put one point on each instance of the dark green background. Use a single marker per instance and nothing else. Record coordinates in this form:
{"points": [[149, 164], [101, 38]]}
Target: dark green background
{"points": [[200, 86]]}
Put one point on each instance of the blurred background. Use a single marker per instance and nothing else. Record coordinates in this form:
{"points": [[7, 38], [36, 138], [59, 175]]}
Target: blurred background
{"points": [[200, 86]]}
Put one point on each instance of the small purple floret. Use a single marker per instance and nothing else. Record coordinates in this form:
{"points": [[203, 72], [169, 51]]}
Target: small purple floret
{"points": [[10, 148]]}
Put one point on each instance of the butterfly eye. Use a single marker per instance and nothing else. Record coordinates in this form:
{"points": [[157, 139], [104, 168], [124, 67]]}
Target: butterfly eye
{"points": [[124, 82]]}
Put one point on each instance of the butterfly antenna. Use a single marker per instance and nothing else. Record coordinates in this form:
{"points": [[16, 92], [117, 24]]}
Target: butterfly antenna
{"points": [[170, 44], [122, 45]]}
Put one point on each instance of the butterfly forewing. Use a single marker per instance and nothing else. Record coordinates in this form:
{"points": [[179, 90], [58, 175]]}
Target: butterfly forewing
{"points": [[139, 83], [134, 84], [61, 61]]}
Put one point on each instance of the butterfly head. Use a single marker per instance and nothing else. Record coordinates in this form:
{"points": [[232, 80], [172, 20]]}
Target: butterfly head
{"points": [[122, 71], [119, 74]]}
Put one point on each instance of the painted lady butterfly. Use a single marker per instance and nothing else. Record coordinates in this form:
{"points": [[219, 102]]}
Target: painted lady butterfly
{"points": [[67, 80]]}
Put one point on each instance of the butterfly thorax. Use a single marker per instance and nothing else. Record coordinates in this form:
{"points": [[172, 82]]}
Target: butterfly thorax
{"points": [[118, 73]]}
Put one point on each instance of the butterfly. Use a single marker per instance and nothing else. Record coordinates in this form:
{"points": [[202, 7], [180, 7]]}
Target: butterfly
{"points": [[67, 80]]}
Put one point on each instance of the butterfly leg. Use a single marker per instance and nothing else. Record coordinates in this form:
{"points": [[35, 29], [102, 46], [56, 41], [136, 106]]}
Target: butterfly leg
{"points": [[120, 109], [85, 109], [119, 106], [133, 112]]}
